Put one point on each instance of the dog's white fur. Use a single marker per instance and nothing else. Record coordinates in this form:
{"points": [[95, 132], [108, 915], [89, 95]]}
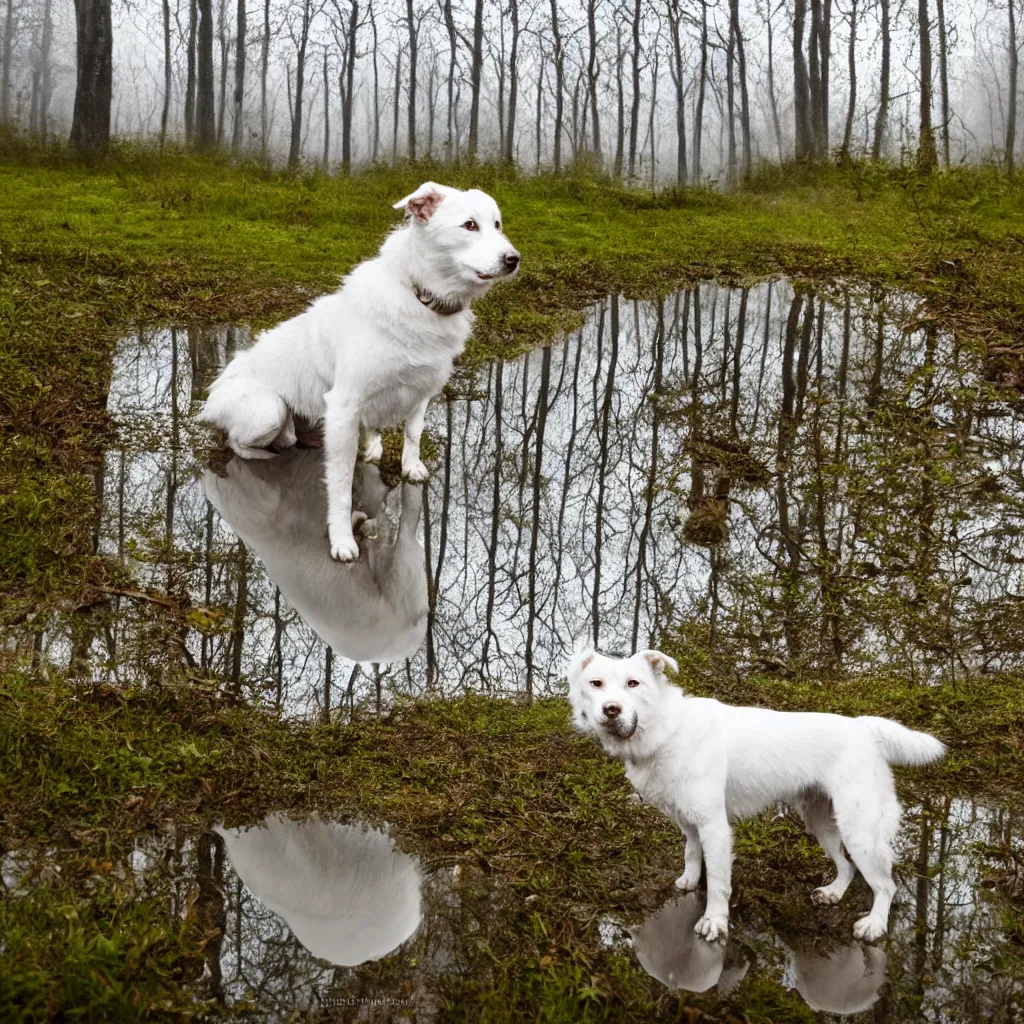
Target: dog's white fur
{"points": [[372, 354], [703, 763], [373, 611]]}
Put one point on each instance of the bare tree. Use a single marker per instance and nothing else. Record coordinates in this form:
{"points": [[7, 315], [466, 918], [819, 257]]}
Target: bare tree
{"points": [[190, 80], [327, 115], [513, 84], [45, 58], [558, 53], [7, 57], [698, 114], [94, 34], [940, 9], [300, 37], [851, 105], [676, 69], [741, 67], [1011, 114], [239, 94], [593, 69], [882, 117], [206, 125], [634, 112], [477, 50], [222, 35], [804, 137], [771, 80], [166, 111], [927, 158], [349, 27], [449, 24], [413, 24], [264, 64]]}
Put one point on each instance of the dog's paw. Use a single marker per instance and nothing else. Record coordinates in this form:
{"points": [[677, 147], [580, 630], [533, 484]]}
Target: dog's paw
{"points": [[713, 927], [415, 472], [687, 883], [870, 928], [344, 549], [826, 896], [374, 449]]}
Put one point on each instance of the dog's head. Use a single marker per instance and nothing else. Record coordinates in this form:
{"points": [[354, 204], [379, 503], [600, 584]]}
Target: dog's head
{"points": [[615, 697], [463, 233]]}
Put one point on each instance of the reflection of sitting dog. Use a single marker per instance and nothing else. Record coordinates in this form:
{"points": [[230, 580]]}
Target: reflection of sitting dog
{"points": [[670, 951], [373, 610], [346, 893]]}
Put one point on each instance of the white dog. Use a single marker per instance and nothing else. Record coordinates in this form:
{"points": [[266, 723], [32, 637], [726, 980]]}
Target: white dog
{"points": [[703, 763], [374, 353]]}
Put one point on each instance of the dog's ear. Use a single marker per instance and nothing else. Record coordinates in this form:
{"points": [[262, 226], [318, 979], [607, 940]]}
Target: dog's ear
{"points": [[579, 662], [422, 203], [659, 662]]}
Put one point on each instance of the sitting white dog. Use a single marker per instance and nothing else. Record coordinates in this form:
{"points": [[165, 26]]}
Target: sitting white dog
{"points": [[375, 352], [703, 763]]}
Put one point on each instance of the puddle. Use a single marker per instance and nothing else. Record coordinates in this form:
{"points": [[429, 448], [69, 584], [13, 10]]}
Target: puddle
{"points": [[807, 483], [316, 915]]}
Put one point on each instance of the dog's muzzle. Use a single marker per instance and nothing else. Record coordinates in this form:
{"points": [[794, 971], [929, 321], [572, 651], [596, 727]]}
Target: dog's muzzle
{"points": [[613, 722]]}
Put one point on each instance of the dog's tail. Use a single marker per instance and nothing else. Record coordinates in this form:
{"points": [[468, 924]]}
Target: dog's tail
{"points": [[901, 745]]}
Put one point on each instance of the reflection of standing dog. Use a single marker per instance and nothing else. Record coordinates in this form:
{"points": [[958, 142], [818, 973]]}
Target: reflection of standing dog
{"points": [[373, 354], [846, 980], [375, 610], [703, 763]]}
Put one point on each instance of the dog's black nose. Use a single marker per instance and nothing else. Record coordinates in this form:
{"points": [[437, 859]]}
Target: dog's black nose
{"points": [[511, 260], [612, 710]]}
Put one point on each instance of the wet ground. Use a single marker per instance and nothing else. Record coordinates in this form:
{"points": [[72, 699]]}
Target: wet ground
{"points": [[798, 483], [805, 483], [327, 918]]}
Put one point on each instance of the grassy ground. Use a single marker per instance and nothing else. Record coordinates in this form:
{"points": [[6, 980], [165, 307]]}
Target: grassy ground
{"points": [[89, 253]]}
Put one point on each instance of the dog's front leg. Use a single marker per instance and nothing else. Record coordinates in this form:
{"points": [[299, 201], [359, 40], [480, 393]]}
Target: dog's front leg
{"points": [[341, 446], [412, 467], [692, 858], [716, 839]]}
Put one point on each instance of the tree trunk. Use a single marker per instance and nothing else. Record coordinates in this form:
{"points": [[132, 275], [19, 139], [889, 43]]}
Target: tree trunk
{"points": [[474, 81], [741, 67], [190, 80], [47, 85], [882, 118], [264, 63], [349, 89], [559, 56], [449, 23], [698, 115], [413, 32], [7, 57], [803, 138], [239, 96], [513, 85], [295, 147], [730, 101], [540, 109], [376, 86], [940, 6], [222, 102], [851, 106], [90, 127], [926, 155], [327, 115], [206, 124], [166, 112], [634, 112], [825, 63], [397, 106], [650, 127], [771, 88], [620, 126], [592, 71], [676, 67], [1011, 116]]}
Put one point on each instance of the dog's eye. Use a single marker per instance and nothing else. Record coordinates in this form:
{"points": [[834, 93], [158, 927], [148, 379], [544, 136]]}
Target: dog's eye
{"points": [[597, 683], [471, 225], [631, 683]]}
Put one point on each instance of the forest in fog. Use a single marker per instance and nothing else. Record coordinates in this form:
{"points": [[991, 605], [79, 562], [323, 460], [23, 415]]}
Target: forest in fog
{"points": [[656, 91]]}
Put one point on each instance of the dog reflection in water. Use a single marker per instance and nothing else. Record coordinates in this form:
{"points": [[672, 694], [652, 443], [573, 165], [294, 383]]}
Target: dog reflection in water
{"points": [[346, 893], [374, 610], [846, 980]]}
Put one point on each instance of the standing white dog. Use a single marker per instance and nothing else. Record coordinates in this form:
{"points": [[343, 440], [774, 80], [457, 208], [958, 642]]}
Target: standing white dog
{"points": [[703, 763], [375, 352]]}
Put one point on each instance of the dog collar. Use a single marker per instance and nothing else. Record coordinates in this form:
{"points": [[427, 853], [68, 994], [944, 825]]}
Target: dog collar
{"points": [[443, 307]]}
